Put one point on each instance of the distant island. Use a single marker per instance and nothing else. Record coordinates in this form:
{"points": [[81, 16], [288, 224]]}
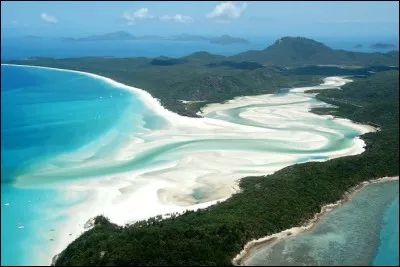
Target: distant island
{"points": [[382, 46], [151, 38], [226, 39], [223, 40], [186, 37], [119, 35], [358, 46], [123, 36]]}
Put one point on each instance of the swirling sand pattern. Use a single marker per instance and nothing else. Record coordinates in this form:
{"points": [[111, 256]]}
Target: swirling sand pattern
{"points": [[190, 163]]}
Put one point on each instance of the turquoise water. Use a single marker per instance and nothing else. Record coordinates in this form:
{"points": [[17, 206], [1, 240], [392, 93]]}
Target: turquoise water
{"points": [[28, 208], [44, 114], [388, 252], [361, 232]]}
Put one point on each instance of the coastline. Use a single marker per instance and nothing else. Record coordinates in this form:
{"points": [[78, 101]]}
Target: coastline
{"points": [[174, 119], [146, 97], [151, 102], [310, 225]]}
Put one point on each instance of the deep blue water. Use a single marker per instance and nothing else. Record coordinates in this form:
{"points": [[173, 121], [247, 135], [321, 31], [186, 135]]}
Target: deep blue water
{"points": [[20, 48]]}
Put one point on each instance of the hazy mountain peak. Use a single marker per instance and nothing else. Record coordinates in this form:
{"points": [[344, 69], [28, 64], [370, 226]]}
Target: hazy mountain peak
{"points": [[297, 40], [300, 50]]}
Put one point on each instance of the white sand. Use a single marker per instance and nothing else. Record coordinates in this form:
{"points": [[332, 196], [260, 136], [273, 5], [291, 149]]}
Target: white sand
{"points": [[189, 102], [274, 135]]}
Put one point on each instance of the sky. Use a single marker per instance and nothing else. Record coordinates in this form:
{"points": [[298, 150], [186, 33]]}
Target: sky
{"points": [[241, 19]]}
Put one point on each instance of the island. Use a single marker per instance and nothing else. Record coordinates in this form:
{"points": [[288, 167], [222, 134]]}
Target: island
{"points": [[119, 35], [227, 40], [382, 46], [358, 46], [266, 204], [126, 36], [184, 37]]}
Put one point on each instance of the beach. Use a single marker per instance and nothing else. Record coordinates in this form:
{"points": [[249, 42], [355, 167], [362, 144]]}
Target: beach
{"points": [[191, 163]]}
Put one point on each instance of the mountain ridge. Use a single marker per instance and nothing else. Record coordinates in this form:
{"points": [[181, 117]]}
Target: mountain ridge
{"points": [[123, 35], [300, 50], [118, 35]]}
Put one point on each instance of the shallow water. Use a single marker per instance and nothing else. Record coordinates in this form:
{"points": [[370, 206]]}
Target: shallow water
{"points": [[361, 232], [79, 146], [46, 113]]}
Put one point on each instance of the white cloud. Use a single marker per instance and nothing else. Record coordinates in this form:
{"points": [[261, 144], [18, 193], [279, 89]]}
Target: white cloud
{"points": [[177, 18], [227, 10], [49, 18], [143, 14], [140, 14]]}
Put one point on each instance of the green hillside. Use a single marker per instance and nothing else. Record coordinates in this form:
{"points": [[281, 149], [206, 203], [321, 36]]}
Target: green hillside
{"points": [[289, 51]]}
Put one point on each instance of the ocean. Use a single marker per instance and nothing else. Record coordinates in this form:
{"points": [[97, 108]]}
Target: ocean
{"points": [[75, 146], [44, 114]]}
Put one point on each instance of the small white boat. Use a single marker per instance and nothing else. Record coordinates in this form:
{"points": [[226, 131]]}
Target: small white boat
{"points": [[21, 227], [7, 204]]}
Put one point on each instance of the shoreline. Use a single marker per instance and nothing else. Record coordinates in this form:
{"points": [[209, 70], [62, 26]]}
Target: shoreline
{"points": [[180, 121], [252, 245], [151, 102]]}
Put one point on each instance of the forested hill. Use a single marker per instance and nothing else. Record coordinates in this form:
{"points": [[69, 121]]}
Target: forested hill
{"points": [[267, 204], [289, 51]]}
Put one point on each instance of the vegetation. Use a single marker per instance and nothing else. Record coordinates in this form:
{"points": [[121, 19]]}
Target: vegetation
{"points": [[266, 205], [291, 51]]}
